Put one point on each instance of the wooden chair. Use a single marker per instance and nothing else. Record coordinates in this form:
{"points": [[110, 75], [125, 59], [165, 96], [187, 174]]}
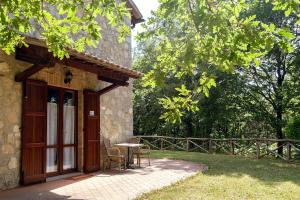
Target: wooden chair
{"points": [[134, 140], [114, 155], [140, 152]]}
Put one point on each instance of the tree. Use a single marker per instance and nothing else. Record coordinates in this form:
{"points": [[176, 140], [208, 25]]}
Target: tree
{"points": [[224, 113], [147, 110], [62, 24], [273, 80], [255, 41], [293, 128], [208, 33]]}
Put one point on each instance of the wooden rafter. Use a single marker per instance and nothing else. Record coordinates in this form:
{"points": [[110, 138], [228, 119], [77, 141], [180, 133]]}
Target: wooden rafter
{"points": [[22, 76], [105, 71], [103, 74], [113, 80], [28, 72], [85, 57], [109, 88]]}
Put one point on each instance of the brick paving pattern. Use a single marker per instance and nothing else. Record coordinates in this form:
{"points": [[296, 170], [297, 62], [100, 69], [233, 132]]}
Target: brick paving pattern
{"points": [[110, 185]]}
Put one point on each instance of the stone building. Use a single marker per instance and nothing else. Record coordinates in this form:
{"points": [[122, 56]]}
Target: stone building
{"points": [[49, 127]]}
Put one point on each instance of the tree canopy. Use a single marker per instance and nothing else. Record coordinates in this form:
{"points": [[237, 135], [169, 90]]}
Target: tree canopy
{"points": [[237, 76], [225, 35], [62, 24]]}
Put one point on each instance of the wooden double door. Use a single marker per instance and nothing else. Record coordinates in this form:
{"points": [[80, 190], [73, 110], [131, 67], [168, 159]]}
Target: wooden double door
{"points": [[61, 144], [49, 132]]}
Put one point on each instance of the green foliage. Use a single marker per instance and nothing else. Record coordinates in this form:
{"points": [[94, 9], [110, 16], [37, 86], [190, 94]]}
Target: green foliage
{"points": [[249, 101], [62, 24], [205, 34], [174, 105], [227, 112], [293, 128]]}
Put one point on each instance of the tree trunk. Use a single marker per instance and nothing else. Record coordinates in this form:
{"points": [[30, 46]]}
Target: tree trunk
{"points": [[281, 71], [189, 127], [279, 132]]}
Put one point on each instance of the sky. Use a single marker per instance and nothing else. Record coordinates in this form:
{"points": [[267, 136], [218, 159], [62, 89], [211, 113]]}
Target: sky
{"points": [[145, 6]]}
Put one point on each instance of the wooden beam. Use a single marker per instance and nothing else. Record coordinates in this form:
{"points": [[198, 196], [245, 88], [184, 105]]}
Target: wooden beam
{"points": [[109, 75], [22, 76], [113, 75], [113, 81], [34, 54], [39, 56], [42, 58], [107, 89], [80, 65]]}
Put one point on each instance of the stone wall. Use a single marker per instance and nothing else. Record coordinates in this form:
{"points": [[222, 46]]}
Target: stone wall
{"points": [[119, 53], [109, 48], [115, 106], [10, 123]]}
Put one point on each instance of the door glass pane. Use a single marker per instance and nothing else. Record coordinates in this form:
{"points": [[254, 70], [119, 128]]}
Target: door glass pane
{"points": [[51, 160], [69, 158], [52, 114], [69, 118]]}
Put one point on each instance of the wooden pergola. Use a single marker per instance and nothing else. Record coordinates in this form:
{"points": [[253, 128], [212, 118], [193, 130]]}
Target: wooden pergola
{"points": [[37, 53]]}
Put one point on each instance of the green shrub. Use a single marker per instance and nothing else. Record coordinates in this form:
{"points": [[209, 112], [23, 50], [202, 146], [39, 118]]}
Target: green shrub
{"points": [[293, 128]]}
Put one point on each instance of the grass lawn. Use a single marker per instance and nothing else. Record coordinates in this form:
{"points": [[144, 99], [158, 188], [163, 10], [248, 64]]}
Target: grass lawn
{"points": [[232, 177]]}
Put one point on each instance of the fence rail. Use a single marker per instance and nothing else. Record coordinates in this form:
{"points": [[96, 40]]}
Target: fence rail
{"points": [[234, 146]]}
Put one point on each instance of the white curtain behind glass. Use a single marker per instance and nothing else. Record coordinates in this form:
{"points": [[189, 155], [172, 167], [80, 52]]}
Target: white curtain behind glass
{"points": [[69, 158], [69, 120], [52, 124], [51, 136]]}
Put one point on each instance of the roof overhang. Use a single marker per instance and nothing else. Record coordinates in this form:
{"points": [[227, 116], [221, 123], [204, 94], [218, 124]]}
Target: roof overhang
{"points": [[136, 15], [38, 54]]}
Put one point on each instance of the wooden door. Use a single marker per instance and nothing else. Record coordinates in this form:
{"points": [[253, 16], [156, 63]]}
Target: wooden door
{"points": [[62, 131], [91, 132], [34, 132]]}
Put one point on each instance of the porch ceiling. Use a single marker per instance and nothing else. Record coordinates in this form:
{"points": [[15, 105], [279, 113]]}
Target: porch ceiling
{"points": [[37, 53]]}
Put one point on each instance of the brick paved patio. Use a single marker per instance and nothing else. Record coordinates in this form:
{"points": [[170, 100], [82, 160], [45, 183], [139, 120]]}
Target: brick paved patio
{"points": [[110, 185]]}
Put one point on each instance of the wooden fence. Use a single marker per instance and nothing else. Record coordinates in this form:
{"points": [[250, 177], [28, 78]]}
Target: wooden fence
{"points": [[248, 147]]}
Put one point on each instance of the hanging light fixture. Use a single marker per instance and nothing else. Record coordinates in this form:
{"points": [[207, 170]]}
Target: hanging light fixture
{"points": [[68, 76]]}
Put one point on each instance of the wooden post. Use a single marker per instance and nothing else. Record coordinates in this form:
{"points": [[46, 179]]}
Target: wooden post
{"points": [[289, 151], [232, 147], [187, 144], [257, 149], [161, 143], [173, 147], [210, 146]]}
